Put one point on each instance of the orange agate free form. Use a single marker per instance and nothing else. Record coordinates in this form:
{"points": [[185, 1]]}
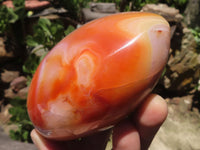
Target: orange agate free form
{"points": [[98, 74]]}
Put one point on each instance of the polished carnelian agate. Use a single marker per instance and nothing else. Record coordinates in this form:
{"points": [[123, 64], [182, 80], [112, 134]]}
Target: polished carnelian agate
{"points": [[98, 74]]}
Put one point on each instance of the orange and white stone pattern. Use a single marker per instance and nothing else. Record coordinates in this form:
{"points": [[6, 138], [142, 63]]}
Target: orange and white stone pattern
{"points": [[98, 74]]}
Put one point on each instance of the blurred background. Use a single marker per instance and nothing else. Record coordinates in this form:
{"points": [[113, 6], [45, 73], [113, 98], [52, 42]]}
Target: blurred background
{"points": [[30, 28]]}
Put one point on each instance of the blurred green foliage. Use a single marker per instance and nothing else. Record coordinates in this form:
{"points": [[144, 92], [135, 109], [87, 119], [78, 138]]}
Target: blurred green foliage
{"points": [[69, 30], [21, 119], [19, 10], [73, 6], [196, 33], [9, 16], [30, 66], [12, 26], [46, 33], [179, 4], [138, 4]]}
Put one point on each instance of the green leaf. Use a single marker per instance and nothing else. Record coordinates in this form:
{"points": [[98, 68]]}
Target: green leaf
{"points": [[25, 135], [14, 135], [19, 8], [21, 119], [44, 24], [30, 41], [31, 64], [69, 30], [18, 3], [12, 16]]}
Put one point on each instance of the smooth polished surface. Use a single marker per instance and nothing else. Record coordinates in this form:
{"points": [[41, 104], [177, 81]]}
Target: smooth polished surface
{"points": [[98, 74]]}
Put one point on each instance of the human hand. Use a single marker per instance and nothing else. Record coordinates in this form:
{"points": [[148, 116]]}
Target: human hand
{"points": [[133, 133]]}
